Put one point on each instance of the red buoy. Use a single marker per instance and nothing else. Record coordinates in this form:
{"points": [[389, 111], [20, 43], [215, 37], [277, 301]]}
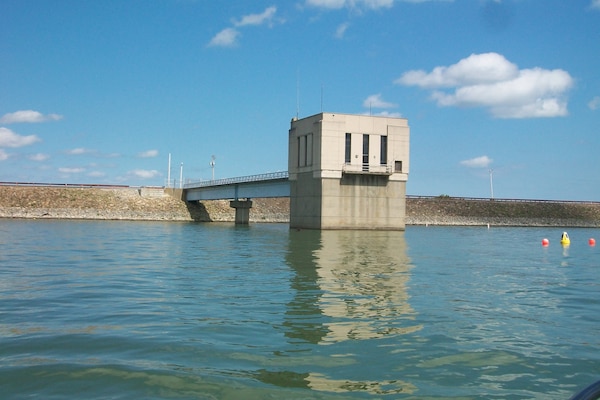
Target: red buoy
{"points": [[545, 242], [592, 242]]}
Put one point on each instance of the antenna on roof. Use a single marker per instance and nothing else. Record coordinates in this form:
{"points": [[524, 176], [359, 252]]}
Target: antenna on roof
{"points": [[321, 96]]}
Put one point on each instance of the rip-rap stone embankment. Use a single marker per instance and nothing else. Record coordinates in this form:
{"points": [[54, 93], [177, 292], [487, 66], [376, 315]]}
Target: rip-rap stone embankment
{"points": [[152, 204]]}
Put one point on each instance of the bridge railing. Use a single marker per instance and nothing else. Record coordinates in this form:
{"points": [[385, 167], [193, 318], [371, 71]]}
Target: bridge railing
{"points": [[239, 179]]}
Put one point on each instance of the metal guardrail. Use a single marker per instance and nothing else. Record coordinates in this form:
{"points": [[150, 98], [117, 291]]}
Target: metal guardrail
{"points": [[241, 179], [282, 175], [500, 200], [69, 185], [383, 169]]}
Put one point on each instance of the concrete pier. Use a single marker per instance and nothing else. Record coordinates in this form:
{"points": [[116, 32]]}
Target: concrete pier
{"points": [[242, 211]]}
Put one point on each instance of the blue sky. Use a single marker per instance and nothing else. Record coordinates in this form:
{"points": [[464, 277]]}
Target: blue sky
{"points": [[103, 91]]}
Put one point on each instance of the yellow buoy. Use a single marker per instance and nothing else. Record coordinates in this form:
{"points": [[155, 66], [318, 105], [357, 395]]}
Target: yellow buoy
{"points": [[564, 239]]}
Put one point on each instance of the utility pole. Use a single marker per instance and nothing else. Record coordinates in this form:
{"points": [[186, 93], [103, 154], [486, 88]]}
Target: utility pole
{"points": [[169, 173], [181, 177], [491, 183]]}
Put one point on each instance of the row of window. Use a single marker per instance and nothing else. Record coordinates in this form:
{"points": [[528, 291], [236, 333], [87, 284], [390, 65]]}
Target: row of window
{"points": [[383, 149], [305, 156]]}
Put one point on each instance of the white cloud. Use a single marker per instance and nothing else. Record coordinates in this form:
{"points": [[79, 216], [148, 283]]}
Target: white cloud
{"points": [[148, 154], [489, 80], [475, 69], [331, 4], [341, 30], [96, 174], [266, 17], [337, 4], [67, 170], [376, 101], [477, 162], [28, 116], [594, 104], [595, 4], [375, 4], [385, 114], [3, 155], [10, 139], [226, 38], [78, 151], [145, 174], [364, 4], [38, 157]]}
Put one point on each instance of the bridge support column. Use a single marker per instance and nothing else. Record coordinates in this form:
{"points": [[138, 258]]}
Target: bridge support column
{"points": [[242, 211]]}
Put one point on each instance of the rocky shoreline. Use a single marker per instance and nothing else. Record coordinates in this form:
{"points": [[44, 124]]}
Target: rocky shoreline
{"points": [[457, 211], [125, 203], [153, 204]]}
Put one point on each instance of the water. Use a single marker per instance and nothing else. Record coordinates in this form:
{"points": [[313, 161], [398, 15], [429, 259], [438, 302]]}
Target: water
{"points": [[131, 310]]}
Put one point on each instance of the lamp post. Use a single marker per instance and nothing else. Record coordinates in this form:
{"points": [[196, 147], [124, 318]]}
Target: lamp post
{"points": [[181, 176], [491, 183], [169, 172], [212, 166]]}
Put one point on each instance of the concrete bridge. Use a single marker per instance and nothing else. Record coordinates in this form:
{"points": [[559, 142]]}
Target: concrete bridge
{"points": [[344, 172], [240, 191]]}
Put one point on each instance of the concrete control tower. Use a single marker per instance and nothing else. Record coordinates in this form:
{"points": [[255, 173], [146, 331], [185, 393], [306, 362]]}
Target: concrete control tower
{"points": [[348, 172]]}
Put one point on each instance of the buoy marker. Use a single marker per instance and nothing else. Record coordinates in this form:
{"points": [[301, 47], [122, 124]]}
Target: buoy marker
{"points": [[564, 239], [545, 242], [592, 242]]}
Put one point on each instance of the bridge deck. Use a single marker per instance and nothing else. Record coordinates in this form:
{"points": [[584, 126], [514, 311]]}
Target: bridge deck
{"points": [[275, 184]]}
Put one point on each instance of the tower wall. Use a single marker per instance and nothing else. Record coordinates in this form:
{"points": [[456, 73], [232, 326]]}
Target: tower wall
{"points": [[348, 172]]}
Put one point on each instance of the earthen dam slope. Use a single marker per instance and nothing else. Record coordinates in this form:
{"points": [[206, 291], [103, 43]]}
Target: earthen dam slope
{"points": [[153, 204]]}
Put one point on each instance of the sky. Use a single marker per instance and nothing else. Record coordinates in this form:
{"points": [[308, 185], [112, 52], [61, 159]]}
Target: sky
{"points": [[502, 96]]}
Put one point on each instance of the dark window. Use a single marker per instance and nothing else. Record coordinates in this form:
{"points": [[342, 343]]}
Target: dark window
{"points": [[383, 153], [304, 151], [398, 166], [347, 158], [309, 149], [365, 158]]}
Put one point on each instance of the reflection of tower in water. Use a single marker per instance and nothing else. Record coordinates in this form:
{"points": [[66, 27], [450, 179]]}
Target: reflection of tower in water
{"points": [[350, 285], [364, 276], [303, 316]]}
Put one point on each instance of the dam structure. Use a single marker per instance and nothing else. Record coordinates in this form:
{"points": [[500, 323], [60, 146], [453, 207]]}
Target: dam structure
{"points": [[345, 171]]}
